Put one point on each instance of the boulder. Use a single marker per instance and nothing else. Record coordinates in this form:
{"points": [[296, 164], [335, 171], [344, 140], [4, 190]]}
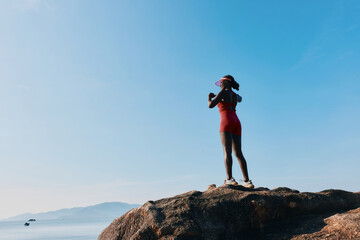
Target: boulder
{"points": [[339, 226], [235, 212]]}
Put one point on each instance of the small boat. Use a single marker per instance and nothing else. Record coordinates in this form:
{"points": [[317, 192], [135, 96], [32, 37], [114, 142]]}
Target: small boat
{"points": [[32, 220], [26, 224]]}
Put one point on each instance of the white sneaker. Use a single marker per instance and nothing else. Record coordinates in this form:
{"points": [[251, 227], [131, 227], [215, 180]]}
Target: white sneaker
{"points": [[248, 184], [230, 181]]}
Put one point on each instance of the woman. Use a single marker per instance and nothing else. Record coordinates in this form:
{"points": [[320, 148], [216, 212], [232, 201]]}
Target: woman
{"points": [[230, 127]]}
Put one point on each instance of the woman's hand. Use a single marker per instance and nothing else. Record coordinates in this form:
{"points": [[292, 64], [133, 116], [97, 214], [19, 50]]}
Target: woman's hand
{"points": [[217, 98]]}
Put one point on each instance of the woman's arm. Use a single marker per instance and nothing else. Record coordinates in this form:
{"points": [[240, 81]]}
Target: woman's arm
{"points": [[239, 98], [212, 103]]}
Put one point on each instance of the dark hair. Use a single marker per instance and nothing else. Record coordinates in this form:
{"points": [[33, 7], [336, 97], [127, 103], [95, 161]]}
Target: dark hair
{"points": [[234, 84]]}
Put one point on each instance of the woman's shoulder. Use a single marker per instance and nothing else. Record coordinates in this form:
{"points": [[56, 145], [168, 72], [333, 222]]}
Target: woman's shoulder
{"points": [[226, 91], [223, 92]]}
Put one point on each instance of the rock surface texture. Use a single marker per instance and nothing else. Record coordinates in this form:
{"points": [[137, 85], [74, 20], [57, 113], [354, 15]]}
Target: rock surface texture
{"points": [[234, 212]]}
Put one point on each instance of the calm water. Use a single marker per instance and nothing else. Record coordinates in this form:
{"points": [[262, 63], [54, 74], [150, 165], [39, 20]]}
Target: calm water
{"points": [[77, 229]]}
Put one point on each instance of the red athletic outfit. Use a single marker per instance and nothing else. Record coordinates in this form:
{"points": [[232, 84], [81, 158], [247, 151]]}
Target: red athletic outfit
{"points": [[229, 120]]}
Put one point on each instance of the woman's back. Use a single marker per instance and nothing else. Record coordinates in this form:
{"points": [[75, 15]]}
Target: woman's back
{"points": [[228, 96], [228, 102]]}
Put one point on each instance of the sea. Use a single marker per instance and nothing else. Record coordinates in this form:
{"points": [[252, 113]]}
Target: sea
{"points": [[74, 229]]}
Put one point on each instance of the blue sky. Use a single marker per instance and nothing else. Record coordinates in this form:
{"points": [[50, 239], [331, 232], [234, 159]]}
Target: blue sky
{"points": [[107, 100]]}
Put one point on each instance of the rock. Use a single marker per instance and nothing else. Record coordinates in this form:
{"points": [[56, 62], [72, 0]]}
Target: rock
{"points": [[235, 212], [339, 226], [211, 186]]}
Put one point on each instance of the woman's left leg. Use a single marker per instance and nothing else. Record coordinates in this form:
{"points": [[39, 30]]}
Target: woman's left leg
{"points": [[226, 140]]}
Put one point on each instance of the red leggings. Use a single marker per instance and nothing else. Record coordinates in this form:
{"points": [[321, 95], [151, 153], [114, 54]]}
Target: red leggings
{"points": [[230, 122]]}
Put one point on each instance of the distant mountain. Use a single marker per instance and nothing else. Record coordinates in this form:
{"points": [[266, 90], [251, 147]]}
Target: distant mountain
{"points": [[108, 209]]}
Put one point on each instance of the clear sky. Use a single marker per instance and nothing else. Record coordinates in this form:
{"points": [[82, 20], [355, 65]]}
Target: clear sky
{"points": [[107, 100]]}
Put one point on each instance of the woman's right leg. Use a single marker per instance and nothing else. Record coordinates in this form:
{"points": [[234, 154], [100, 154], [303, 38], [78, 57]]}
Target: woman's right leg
{"points": [[239, 155], [226, 140]]}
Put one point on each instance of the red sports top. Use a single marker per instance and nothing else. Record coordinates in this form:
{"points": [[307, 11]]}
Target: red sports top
{"points": [[229, 120]]}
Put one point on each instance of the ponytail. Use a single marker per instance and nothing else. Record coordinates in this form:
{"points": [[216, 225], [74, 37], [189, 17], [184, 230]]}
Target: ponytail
{"points": [[234, 84]]}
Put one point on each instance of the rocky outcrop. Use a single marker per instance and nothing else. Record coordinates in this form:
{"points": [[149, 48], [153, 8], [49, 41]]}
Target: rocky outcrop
{"points": [[339, 226], [234, 212]]}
